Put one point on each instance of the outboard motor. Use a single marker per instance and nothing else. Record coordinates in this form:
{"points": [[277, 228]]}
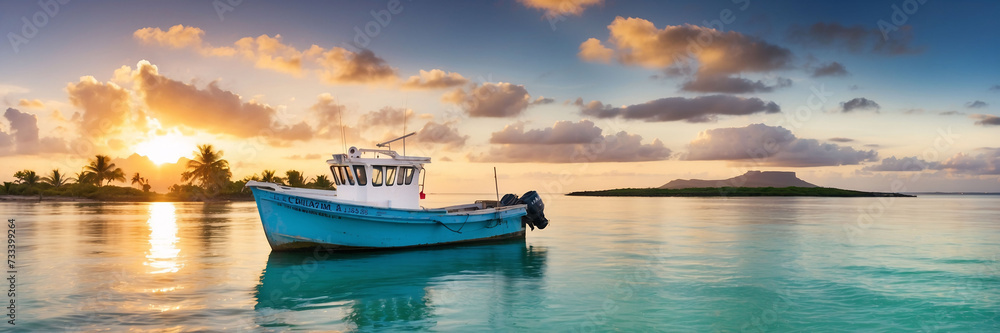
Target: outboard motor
{"points": [[508, 200], [536, 210]]}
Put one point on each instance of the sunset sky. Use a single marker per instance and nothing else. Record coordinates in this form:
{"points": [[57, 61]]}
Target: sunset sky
{"points": [[558, 95]]}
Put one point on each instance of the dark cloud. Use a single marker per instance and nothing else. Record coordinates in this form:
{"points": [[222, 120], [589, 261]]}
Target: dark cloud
{"points": [[831, 69], [24, 139], [771, 146], [635, 41], [496, 100], [343, 66], [731, 85], [441, 133], [892, 164], [986, 120], [694, 110], [213, 109], [542, 100], [839, 139], [913, 111], [976, 105], [995, 87], [620, 147], [563, 132], [854, 39], [859, 103]]}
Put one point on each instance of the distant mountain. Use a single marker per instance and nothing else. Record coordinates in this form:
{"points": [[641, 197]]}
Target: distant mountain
{"points": [[749, 179]]}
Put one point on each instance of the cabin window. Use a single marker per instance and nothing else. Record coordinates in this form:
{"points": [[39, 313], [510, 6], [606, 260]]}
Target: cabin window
{"points": [[336, 179], [377, 175], [362, 178], [390, 175], [409, 175], [400, 174], [346, 174]]}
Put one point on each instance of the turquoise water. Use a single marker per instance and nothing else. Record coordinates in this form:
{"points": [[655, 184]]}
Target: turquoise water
{"points": [[628, 264]]}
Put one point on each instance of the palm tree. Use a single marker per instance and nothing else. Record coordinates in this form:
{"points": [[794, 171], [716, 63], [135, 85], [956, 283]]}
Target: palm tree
{"points": [[143, 182], [295, 178], [56, 179], [27, 177], [208, 168], [86, 177], [268, 176], [322, 182], [103, 169]]}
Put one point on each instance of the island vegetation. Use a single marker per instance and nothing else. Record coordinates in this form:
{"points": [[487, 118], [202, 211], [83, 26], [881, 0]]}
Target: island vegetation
{"points": [[207, 178], [736, 192]]}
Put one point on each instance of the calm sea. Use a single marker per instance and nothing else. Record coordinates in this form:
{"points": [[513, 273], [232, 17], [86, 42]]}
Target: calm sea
{"points": [[627, 264]]}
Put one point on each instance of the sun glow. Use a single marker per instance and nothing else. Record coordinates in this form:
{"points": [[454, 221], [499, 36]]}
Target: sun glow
{"points": [[165, 148]]}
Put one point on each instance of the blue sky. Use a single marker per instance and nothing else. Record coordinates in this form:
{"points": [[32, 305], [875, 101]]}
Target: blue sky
{"points": [[527, 49]]}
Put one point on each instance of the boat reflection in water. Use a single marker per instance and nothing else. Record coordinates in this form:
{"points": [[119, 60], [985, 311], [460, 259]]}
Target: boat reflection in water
{"points": [[401, 290]]}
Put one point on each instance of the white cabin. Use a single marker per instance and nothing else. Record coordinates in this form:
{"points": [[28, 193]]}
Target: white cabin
{"points": [[386, 179]]}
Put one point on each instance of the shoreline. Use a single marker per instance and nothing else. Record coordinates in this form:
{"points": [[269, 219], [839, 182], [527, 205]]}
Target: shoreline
{"points": [[39, 199], [738, 192]]}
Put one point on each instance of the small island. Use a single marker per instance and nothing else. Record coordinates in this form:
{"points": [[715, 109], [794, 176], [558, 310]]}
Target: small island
{"points": [[750, 184]]}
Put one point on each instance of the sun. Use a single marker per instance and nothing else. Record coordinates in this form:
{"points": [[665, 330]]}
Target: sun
{"points": [[164, 148]]}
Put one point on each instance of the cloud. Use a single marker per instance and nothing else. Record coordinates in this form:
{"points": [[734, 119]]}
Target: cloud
{"points": [[329, 119], [24, 139], [387, 117], [568, 142], [986, 120], [831, 69], [859, 103], [693, 110], [892, 164], [731, 85], [913, 111], [335, 65], [30, 103], [542, 100], [106, 107], [592, 50], [562, 132], [636, 41], [556, 8], [213, 109], [441, 133], [986, 163], [434, 79], [342, 66], [496, 100], [976, 105], [841, 140], [995, 87], [771, 146], [951, 113], [855, 39], [305, 157]]}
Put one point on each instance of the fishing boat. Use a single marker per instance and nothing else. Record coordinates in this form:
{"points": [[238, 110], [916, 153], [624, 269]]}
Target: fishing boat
{"points": [[376, 205]]}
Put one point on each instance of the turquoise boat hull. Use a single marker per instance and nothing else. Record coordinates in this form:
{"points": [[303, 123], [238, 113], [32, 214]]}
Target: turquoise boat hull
{"points": [[294, 222]]}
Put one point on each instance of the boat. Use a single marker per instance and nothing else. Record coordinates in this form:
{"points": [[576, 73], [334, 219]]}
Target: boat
{"points": [[376, 205]]}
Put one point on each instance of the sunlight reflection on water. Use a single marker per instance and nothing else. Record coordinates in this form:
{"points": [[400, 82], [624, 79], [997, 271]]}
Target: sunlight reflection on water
{"points": [[163, 239]]}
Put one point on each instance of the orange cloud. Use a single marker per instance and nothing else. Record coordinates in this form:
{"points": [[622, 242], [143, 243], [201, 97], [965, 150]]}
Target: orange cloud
{"points": [[335, 65], [33, 103], [106, 107], [491, 99], [636, 41], [213, 109], [560, 7], [434, 79]]}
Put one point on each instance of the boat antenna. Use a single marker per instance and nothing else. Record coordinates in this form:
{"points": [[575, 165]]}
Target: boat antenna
{"points": [[343, 135], [384, 144], [496, 185], [405, 106]]}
